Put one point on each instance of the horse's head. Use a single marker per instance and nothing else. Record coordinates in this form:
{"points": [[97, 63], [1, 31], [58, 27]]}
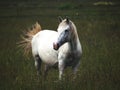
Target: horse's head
{"points": [[65, 30]]}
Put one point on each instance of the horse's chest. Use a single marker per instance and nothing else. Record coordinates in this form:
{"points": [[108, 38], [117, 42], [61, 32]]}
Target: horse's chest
{"points": [[71, 59]]}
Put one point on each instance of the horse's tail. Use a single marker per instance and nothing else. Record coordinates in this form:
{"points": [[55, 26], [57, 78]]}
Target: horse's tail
{"points": [[27, 36]]}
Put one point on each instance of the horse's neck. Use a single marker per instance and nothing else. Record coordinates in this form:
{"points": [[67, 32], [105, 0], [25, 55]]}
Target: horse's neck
{"points": [[74, 43], [74, 40]]}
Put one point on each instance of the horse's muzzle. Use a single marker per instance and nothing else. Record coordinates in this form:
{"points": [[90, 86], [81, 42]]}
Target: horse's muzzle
{"points": [[56, 46]]}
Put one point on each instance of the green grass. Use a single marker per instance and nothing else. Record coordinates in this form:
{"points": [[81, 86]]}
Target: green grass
{"points": [[99, 33]]}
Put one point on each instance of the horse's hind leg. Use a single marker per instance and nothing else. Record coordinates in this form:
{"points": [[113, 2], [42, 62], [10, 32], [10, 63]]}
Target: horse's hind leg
{"points": [[37, 64], [47, 67]]}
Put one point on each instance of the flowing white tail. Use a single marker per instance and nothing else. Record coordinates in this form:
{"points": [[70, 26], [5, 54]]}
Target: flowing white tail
{"points": [[27, 36]]}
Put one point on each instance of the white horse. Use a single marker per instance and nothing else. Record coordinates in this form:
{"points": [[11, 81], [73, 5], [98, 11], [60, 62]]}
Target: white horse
{"points": [[61, 47]]}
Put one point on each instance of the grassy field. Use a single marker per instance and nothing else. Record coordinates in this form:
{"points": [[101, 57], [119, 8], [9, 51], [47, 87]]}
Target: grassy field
{"points": [[99, 32]]}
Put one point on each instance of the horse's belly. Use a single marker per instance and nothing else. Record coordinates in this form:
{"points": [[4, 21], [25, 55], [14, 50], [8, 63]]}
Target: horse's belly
{"points": [[48, 56], [45, 47]]}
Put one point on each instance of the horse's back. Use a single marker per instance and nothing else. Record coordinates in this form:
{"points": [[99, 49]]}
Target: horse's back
{"points": [[42, 44]]}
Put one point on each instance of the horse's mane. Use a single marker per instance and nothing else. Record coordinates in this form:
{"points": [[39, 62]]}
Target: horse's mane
{"points": [[27, 36]]}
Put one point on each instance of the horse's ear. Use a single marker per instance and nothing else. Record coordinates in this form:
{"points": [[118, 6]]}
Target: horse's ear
{"points": [[38, 21], [67, 20], [60, 19]]}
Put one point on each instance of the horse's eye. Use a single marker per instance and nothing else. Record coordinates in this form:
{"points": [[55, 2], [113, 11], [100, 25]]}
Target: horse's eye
{"points": [[66, 30]]}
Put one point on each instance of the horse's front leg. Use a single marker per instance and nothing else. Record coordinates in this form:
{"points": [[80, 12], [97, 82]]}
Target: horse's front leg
{"points": [[61, 66], [75, 69]]}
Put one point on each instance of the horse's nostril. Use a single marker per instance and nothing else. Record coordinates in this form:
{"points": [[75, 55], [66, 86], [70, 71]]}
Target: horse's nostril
{"points": [[55, 46]]}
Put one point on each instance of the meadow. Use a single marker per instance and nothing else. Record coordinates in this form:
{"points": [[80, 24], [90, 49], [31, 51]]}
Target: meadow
{"points": [[98, 27]]}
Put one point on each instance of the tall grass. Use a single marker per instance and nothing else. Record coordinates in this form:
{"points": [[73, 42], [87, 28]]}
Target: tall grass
{"points": [[99, 33]]}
